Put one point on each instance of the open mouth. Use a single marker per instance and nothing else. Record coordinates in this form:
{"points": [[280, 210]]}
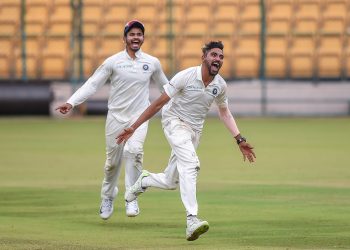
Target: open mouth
{"points": [[216, 65], [135, 43]]}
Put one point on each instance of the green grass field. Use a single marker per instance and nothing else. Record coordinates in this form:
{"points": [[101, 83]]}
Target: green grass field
{"points": [[296, 196]]}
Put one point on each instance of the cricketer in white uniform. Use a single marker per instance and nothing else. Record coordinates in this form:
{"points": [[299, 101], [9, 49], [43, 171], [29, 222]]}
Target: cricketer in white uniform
{"points": [[130, 73], [188, 98]]}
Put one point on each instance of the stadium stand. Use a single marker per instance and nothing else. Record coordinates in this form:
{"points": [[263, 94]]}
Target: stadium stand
{"points": [[276, 55], [247, 56], [56, 57], [9, 36], [249, 17], [33, 58], [60, 18], [301, 58], [279, 16], [328, 62], [37, 17], [90, 48], [306, 16], [9, 17], [304, 38], [7, 64], [93, 12]]}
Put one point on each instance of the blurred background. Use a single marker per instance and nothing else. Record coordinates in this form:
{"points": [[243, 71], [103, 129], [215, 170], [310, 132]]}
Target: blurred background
{"points": [[282, 57]]}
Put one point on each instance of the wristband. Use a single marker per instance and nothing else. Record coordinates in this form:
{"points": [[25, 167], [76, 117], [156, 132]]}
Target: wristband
{"points": [[240, 140]]}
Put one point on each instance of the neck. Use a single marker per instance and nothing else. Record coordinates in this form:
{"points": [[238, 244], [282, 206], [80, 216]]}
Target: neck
{"points": [[131, 53], [206, 77]]}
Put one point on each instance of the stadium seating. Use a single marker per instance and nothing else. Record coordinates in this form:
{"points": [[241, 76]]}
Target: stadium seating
{"points": [[346, 60], [276, 55], [56, 57], [329, 56], [34, 45], [7, 57], [304, 38], [93, 13], [90, 48], [247, 56], [301, 60], [249, 17], [307, 16], [115, 16], [334, 17], [279, 16], [37, 18], [60, 18], [9, 17], [224, 19]]}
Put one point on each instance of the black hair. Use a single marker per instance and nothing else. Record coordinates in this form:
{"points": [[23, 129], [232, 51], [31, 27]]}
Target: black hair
{"points": [[211, 45]]}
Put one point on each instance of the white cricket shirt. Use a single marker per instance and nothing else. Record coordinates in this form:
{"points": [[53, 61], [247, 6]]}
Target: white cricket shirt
{"points": [[129, 79], [190, 99]]}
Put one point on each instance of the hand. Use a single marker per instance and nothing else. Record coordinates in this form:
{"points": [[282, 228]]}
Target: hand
{"points": [[65, 108], [247, 151], [125, 135]]}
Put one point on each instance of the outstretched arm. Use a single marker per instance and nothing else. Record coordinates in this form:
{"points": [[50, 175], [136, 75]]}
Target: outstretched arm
{"points": [[146, 115], [230, 123]]}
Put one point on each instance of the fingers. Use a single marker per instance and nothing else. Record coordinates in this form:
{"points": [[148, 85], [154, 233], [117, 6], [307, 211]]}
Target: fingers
{"points": [[253, 154], [250, 158], [120, 140], [65, 108], [125, 135], [62, 109]]}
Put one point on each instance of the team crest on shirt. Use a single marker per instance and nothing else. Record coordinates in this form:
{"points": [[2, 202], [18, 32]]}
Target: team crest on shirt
{"points": [[145, 67], [215, 91]]}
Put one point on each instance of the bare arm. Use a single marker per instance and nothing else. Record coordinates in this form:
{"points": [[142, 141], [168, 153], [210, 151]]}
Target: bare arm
{"points": [[230, 123], [146, 115], [227, 118]]}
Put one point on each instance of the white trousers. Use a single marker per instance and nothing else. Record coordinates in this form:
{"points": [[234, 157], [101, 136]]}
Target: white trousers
{"points": [[183, 166], [132, 152]]}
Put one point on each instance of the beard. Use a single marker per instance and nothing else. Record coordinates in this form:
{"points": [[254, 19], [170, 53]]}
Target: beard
{"points": [[213, 70]]}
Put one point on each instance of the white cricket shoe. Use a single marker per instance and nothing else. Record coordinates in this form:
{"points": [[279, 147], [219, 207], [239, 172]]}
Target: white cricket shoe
{"points": [[106, 208], [132, 208], [136, 189], [195, 227]]}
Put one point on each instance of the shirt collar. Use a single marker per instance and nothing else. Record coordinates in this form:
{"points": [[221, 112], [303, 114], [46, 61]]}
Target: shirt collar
{"points": [[138, 54], [199, 75]]}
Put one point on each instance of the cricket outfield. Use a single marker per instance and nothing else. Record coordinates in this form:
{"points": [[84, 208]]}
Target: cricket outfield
{"points": [[296, 195]]}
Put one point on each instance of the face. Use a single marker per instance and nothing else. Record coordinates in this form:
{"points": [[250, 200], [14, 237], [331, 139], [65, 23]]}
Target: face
{"points": [[134, 39], [213, 60]]}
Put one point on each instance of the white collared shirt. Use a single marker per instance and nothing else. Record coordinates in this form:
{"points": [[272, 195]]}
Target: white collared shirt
{"points": [[129, 79], [190, 99]]}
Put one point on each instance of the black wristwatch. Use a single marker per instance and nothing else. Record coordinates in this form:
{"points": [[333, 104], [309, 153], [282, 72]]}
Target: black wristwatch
{"points": [[240, 140]]}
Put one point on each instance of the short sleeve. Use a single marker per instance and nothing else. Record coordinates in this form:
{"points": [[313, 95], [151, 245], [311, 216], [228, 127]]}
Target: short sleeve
{"points": [[221, 100], [158, 76], [175, 85]]}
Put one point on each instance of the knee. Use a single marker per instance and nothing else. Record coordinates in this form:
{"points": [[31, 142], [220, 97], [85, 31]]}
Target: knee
{"points": [[172, 185], [109, 166]]}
